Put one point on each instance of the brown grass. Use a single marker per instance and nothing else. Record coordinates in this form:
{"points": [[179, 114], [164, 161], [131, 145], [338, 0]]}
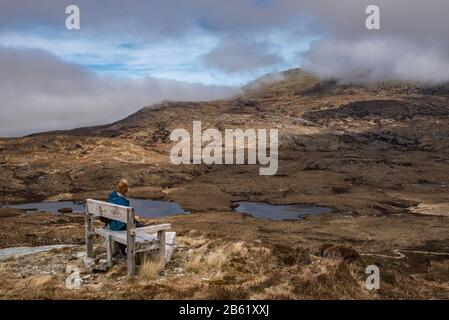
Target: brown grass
{"points": [[223, 268], [210, 258], [150, 268]]}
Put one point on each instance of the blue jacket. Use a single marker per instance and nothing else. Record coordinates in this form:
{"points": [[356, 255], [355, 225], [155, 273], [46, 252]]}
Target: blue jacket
{"points": [[115, 198]]}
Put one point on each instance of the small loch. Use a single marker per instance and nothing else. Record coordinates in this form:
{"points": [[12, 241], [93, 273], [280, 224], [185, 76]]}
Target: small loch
{"points": [[279, 212], [142, 207]]}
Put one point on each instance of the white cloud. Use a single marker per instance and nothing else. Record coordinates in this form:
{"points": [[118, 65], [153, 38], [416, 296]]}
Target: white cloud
{"points": [[377, 59], [121, 58]]}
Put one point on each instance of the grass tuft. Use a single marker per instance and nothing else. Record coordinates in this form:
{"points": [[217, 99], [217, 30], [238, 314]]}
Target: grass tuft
{"points": [[150, 268]]}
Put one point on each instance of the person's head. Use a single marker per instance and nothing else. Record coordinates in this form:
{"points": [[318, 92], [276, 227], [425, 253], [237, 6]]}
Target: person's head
{"points": [[122, 186]]}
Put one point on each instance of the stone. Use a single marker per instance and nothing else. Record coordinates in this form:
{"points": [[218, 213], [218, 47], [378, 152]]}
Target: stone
{"points": [[89, 262], [101, 266]]}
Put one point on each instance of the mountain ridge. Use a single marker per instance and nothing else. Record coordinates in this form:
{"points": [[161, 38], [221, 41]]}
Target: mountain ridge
{"points": [[285, 85]]}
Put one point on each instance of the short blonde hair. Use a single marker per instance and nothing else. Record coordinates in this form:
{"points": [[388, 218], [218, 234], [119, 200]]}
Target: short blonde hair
{"points": [[122, 186]]}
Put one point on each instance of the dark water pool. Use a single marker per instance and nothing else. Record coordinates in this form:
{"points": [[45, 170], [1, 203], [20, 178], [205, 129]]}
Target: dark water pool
{"points": [[279, 212], [143, 208]]}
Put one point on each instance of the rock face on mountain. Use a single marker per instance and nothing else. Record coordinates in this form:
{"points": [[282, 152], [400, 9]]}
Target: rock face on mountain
{"points": [[364, 148]]}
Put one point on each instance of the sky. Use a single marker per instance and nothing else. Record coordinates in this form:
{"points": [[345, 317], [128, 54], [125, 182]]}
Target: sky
{"points": [[130, 54]]}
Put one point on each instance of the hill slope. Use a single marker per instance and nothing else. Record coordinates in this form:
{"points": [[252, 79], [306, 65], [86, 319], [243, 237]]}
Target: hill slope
{"points": [[348, 137]]}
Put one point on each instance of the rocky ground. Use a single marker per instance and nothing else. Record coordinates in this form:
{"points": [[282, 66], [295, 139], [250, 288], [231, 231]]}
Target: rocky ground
{"points": [[225, 255], [377, 154]]}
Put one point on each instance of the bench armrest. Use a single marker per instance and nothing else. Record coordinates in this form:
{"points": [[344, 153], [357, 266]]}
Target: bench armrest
{"points": [[154, 229]]}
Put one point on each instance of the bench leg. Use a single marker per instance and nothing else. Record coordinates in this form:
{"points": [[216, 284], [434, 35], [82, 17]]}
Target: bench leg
{"points": [[131, 244], [109, 248], [131, 257], [115, 249], [161, 236], [89, 236]]}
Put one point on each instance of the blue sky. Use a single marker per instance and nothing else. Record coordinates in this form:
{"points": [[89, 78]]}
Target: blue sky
{"points": [[165, 39], [178, 59]]}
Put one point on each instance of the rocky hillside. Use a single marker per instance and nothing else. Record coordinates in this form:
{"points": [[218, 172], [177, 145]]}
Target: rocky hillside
{"points": [[366, 148]]}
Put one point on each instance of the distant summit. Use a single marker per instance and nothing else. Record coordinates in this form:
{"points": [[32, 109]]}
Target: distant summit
{"points": [[297, 81], [288, 79]]}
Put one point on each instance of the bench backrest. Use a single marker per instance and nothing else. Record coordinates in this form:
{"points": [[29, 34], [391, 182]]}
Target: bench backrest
{"points": [[109, 210]]}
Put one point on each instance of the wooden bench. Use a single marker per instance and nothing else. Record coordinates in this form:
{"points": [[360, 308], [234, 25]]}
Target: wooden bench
{"points": [[135, 239]]}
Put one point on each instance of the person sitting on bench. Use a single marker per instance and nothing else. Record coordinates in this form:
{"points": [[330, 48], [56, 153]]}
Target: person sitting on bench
{"points": [[119, 197]]}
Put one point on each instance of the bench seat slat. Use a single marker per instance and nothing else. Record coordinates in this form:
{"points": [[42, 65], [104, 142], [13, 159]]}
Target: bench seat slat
{"points": [[154, 228], [144, 242], [120, 236]]}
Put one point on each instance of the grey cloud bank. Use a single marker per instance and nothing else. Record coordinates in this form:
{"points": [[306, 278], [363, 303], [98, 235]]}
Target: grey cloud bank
{"points": [[377, 60], [40, 92], [235, 55], [412, 45]]}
